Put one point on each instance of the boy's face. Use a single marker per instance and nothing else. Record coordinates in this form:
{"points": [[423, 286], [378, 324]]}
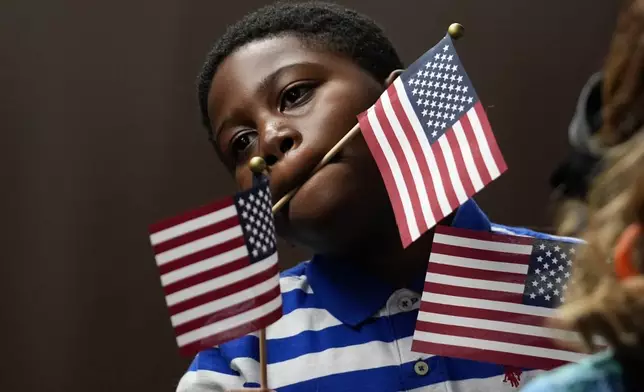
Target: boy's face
{"points": [[280, 99]]}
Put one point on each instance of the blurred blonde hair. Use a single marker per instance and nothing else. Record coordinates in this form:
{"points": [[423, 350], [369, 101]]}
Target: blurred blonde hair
{"points": [[622, 102], [598, 304], [623, 79]]}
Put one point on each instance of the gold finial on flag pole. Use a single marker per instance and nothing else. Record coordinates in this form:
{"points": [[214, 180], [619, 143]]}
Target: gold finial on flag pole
{"points": [[257, 165], [456, 30]]}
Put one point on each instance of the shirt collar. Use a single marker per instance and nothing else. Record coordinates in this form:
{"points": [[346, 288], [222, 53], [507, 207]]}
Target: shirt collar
{"points": [[351, 296]]}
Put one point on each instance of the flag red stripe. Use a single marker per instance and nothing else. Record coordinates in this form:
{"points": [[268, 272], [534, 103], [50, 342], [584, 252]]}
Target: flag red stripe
{"points": [[207, 275], [401, 115], [484, 314], [491, 140], [196, 213], [484, 235], [234, 333], [479, 254], [225, 290], [230, 311], [468, 292], [485, 334], [197, 234], [476, 152], [201, 255], [402, 163], [516, 360], [473, 273], [387, 176], [460, 162], [444, 173]]}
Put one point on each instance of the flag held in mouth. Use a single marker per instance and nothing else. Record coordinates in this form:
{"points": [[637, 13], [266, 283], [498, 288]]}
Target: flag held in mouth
{"points": [[431, 140], [219, 269]]}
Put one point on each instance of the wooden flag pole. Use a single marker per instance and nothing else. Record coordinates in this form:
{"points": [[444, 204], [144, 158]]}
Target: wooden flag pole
{"points": [[258, 166], [263, 365]]}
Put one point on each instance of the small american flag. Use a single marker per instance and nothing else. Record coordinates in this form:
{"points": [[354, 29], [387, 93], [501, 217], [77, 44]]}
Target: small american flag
{"points": [[431, 140], [487, 297], [219, 270]]}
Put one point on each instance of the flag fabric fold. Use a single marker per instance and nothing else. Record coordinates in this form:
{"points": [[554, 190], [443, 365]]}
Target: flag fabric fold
{"points": [[431, 139], [487, 297], [219, 269]]}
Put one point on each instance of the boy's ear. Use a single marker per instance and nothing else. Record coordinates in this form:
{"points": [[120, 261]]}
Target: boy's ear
{"points": [[392, 76]]}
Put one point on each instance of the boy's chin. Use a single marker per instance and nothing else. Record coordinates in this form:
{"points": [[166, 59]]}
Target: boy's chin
{"points": [[328, 222], [339, 207]]}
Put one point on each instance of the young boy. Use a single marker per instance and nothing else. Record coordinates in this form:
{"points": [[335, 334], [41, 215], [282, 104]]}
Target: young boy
{"points": [[286, 83]]}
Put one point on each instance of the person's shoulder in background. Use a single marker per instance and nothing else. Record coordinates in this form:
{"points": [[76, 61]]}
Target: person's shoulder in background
{"points": [[597, 373]]}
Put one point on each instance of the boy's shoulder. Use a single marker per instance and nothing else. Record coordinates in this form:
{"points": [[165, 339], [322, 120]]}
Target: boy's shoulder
{"points": [[298, 271], [522, 231], [295, 278]]}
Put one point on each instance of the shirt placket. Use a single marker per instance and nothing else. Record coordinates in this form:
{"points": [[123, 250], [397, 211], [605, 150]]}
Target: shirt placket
{"points": [[411, 366]]}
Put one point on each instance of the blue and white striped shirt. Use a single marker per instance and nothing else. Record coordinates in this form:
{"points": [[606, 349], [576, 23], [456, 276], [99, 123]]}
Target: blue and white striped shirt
{"points": [[344, 331]]}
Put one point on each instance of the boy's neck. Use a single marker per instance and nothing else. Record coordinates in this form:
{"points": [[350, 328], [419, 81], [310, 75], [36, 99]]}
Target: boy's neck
{"points": [[387, 260]]}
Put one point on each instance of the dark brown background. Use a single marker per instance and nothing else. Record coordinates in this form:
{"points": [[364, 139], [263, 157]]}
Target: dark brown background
{"points": [[101, 136]]}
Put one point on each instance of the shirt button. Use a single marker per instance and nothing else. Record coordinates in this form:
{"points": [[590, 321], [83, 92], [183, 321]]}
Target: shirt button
{"points": [[421, 368], [404, 303]]}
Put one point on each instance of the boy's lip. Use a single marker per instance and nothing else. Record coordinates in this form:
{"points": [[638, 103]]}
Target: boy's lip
{"points": [[298, 180]]}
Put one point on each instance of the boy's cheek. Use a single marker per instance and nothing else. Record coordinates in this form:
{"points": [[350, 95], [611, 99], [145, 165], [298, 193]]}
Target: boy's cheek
{"points": [[343, 99]]}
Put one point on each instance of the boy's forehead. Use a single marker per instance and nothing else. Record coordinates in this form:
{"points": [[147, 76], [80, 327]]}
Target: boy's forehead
{"points": [[250, 66], [256, 59]]}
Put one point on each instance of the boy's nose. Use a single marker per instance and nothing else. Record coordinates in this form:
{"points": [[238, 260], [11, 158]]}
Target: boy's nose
{"points": [[276, 143]]}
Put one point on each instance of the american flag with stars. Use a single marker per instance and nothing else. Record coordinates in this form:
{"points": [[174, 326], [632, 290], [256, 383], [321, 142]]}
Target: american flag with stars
{"points": [[487, 297], [431, 140], [219, 269]]}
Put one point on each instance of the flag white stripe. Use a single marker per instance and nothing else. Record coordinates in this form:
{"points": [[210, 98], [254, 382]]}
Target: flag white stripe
{"points": [[197, 245], [437, 181], [452, 170], [477, 303], [480, 264], [193, 224], [225, 302], [204, 265], [483, 145], [474, 283], [482, 244], [229, 323], [417, 176], [396, 173], [500, 326], [468, 158], [222, 281], [498, 346]]}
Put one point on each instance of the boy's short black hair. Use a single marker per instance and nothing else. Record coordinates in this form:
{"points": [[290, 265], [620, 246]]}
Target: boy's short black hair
{"points": [[337, 28]]}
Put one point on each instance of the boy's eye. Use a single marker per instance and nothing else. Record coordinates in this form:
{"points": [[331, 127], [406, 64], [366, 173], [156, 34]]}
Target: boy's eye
{"points": [[295, 95], [240, 144]]}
